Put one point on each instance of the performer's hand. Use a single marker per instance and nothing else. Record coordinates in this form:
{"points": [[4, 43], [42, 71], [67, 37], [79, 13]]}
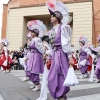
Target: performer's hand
{"points": [[71, 61]]}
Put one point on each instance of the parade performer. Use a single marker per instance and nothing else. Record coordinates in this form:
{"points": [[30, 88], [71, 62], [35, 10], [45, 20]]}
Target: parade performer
{"points": [[84, 55], [35, 62], [47, 58], [97, 72], [4, 59], [60, 39], [23, 61]]}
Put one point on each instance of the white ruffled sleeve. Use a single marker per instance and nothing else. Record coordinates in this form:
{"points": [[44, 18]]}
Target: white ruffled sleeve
{"points": [[66, 33], [39, 45], [87, 50]]}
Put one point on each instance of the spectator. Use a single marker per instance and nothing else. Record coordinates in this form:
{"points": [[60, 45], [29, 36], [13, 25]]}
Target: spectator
{"points": [[21, 55], [15, 53], [15, 63], [21, 49]]}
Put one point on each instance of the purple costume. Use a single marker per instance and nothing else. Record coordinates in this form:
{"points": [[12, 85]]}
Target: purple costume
{"points": [[83, 55], [35, 65], [59, 69]]}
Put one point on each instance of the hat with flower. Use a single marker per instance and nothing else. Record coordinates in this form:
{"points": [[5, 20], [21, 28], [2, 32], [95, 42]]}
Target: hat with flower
{"points": [[5, 41], [83, 39], [59, 10], [37, 27]]}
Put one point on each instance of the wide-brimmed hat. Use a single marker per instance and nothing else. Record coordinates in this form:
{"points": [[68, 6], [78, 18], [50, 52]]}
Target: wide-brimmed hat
{"points": [[5, 41], [37, 27], [58, 9]]}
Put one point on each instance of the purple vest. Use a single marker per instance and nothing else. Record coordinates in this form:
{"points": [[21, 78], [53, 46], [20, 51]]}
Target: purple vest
{"points": [[57, 40], [33, 49], [82, 53]]}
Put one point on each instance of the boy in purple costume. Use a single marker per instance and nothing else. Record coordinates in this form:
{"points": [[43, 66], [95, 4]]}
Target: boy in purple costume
{"points": [[60, 38]]}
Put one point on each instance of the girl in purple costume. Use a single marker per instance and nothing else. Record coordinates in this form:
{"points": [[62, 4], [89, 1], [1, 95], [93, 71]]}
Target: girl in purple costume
{"points": [[26, 56], [60, 38], [35, 62], [84, 53]]}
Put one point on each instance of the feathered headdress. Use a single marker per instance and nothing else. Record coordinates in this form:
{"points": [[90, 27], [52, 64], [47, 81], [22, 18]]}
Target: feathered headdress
{"points": [[59, 6], [37, 26]]}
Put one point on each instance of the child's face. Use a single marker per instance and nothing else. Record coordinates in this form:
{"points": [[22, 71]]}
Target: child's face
{"points": [[80, 44], [33, 34]]}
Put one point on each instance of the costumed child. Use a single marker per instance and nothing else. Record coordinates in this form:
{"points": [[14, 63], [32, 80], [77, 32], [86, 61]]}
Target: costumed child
{"points": [[84, 55], [5, 59], [35, 61]]}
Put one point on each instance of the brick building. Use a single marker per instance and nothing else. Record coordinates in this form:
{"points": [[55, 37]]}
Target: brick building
{"points": [[17, 13]]}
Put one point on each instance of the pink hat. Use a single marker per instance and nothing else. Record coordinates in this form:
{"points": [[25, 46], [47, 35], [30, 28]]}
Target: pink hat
{"points": [[59, 6], [83, 39], [37, 26], [5, 41]]}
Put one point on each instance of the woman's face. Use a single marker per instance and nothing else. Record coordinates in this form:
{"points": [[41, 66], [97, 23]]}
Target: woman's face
{"points": [[53, 19], [33, 34]]}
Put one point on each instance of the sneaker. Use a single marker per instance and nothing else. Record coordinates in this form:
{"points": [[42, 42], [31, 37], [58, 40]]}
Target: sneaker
{"points": [[37, 88], [4, 72], [25, 79], [97, 81], [32, 87], [86, 76], [81, 77]]}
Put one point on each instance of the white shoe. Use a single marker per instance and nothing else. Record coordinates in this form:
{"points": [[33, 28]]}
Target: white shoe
{"points": [[37, 88], [86, 76], [4, 72], [25, 79], [81, 77], [32, 87], [97, 81]]}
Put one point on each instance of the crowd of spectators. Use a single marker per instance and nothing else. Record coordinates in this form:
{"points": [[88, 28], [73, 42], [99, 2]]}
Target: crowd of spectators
{"points": [[15, 55]]}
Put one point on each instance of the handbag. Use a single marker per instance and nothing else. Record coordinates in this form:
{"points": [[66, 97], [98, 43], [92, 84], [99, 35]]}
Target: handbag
{"points": [[71, 79]]}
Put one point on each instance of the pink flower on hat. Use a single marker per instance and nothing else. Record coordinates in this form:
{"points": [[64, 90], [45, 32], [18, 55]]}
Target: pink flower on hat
{"points": [[30, 23], [51, 4], [81, 37]]}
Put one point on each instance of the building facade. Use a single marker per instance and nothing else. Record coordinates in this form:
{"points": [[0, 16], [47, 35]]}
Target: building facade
{"points": [[17, 13]]}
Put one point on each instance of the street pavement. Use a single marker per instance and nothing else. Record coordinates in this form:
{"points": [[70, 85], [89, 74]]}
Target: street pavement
{"points": [[12, 88]]}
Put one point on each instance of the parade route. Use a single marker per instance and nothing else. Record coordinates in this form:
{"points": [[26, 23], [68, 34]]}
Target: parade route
{"points": [[12, 88]]}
